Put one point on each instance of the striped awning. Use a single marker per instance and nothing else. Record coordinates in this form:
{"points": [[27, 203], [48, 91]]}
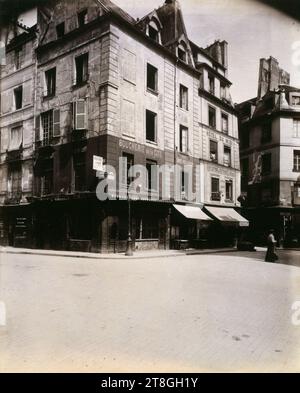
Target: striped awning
{"points": [[227, 214], [192, 212]]}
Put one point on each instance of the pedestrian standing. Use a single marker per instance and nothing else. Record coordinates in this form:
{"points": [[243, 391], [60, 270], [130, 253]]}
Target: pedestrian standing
{"points": [[271, 255]]}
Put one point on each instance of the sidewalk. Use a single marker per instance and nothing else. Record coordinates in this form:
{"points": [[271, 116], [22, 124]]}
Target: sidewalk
{"points": [[136, 255]]}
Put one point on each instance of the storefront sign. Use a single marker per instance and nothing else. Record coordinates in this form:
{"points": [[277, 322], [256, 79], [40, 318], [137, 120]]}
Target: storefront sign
{"points": [[98, 163]]}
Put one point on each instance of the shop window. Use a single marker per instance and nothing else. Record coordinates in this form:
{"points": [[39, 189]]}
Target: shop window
{"points": [[229, 190], [60, 30], [18, 95], [266, 162], [296, 160], [213, 151], [184, 97], [215, 189], [227, 156], [147, 228], [183, 142], [82, 18], [152, 74], [212, 117], [50, 82], [81, 69], [151, 120]]}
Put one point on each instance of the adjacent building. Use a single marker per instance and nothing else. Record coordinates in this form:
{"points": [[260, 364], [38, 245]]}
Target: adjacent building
{"points": [[270, 155], [106, 85]]}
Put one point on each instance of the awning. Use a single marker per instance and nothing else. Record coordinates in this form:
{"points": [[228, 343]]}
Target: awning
{"points": [[192, 212], [229, 215]]}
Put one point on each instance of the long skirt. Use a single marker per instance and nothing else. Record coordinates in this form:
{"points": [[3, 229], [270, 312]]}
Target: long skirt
{"points": [[271, 255]]}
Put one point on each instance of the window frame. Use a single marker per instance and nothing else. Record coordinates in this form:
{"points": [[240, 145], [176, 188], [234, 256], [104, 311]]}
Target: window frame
{"points": [[183, 97], [213, 142], [183, 130], [84, 73], [215, 195], [155, 126], [210, 109], [296, 160], [18, 100], [60, 30], [150, 67], [48, 74]]}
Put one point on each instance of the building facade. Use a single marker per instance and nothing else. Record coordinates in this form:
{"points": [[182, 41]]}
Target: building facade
{"points": [[109, 86], [270, 145]]}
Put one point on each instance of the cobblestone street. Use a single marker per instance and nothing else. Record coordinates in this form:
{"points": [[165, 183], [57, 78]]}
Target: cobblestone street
{"points": [[217, 312]]}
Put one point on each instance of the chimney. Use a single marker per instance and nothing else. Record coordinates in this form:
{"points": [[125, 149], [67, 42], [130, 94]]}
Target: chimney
{"points": [[270, 76]]}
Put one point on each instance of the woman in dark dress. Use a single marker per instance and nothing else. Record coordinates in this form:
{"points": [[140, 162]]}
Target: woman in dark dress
{"points": [[271, 255]]}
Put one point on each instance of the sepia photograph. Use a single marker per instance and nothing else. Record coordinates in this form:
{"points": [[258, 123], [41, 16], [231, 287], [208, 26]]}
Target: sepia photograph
{"points": [[150, 189]]}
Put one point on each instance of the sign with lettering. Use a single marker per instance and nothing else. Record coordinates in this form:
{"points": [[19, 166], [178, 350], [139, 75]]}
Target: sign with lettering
{"points": [[139, 148], [98, 163]]}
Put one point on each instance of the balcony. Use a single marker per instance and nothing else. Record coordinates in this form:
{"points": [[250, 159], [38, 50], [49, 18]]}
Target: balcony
{"points": [[14, 155]]}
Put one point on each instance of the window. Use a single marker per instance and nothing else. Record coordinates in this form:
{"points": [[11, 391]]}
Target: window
{"points": [[15, 180], [47, 177], [227, 156], [18, 57], [245, 138], [183, 142], [82, 18], [82, 68], [223, 91], [129, 162], [151, 119], [213, 151], [184, 97], [79, 115], [297, 160], [296, 100], [184, 181], [266, 164], [181, 53], [296, 128], [266, 132], [79, 172], [50, 81], [60, 30], [215, 189], [152, 77], [51, 125], [147, 228], [18, 94], [153, 33], [211, 117], [151, 167], [228, 190], [15, 138], [224, 123], [211, 83]]}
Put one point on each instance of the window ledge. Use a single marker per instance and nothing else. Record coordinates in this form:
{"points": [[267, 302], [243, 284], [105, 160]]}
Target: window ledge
{"points": [[151, 143], [78, 85], [154, 92]]}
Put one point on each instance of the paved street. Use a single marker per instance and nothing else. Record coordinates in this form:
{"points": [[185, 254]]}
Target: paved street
{"points": [[217, 312]]}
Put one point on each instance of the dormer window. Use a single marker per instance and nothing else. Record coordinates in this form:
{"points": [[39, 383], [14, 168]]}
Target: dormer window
{"points": [[181, 53], [153, 31], [82, 18], [60, 30]]}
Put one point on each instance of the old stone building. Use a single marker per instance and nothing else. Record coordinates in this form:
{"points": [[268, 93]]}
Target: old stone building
{"points": [[270, 154], [107, 85]]}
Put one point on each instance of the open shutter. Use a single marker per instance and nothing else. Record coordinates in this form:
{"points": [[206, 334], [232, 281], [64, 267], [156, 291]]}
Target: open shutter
{"points": [[80, 115], [56, 122]]}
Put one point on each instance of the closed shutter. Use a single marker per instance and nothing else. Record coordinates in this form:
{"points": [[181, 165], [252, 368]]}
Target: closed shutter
{"points": [[27, 94], [56, 122], [80, 115], [38, 128], [6, 101]]}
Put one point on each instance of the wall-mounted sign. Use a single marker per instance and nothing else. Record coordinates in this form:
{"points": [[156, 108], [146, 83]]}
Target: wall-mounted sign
{"points": [[98, 163]]}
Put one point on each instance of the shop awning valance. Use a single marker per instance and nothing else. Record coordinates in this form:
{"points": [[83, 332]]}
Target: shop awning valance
{"points": [[192, 212], [227, 215]]}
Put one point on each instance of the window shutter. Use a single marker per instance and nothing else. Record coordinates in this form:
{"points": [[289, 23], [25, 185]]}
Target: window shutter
{"points": [[56, 122], [80, 115]]}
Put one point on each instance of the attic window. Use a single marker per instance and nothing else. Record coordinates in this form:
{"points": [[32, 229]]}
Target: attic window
{"points": [[153, 31], [60, 30], [181, 53], [82, 18]]}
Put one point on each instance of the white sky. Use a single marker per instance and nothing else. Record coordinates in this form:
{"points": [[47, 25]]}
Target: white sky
{"points": [[252, 30]]}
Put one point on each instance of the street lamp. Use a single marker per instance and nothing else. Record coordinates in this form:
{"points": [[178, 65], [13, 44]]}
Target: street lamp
{"points": [[129, 251]]}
